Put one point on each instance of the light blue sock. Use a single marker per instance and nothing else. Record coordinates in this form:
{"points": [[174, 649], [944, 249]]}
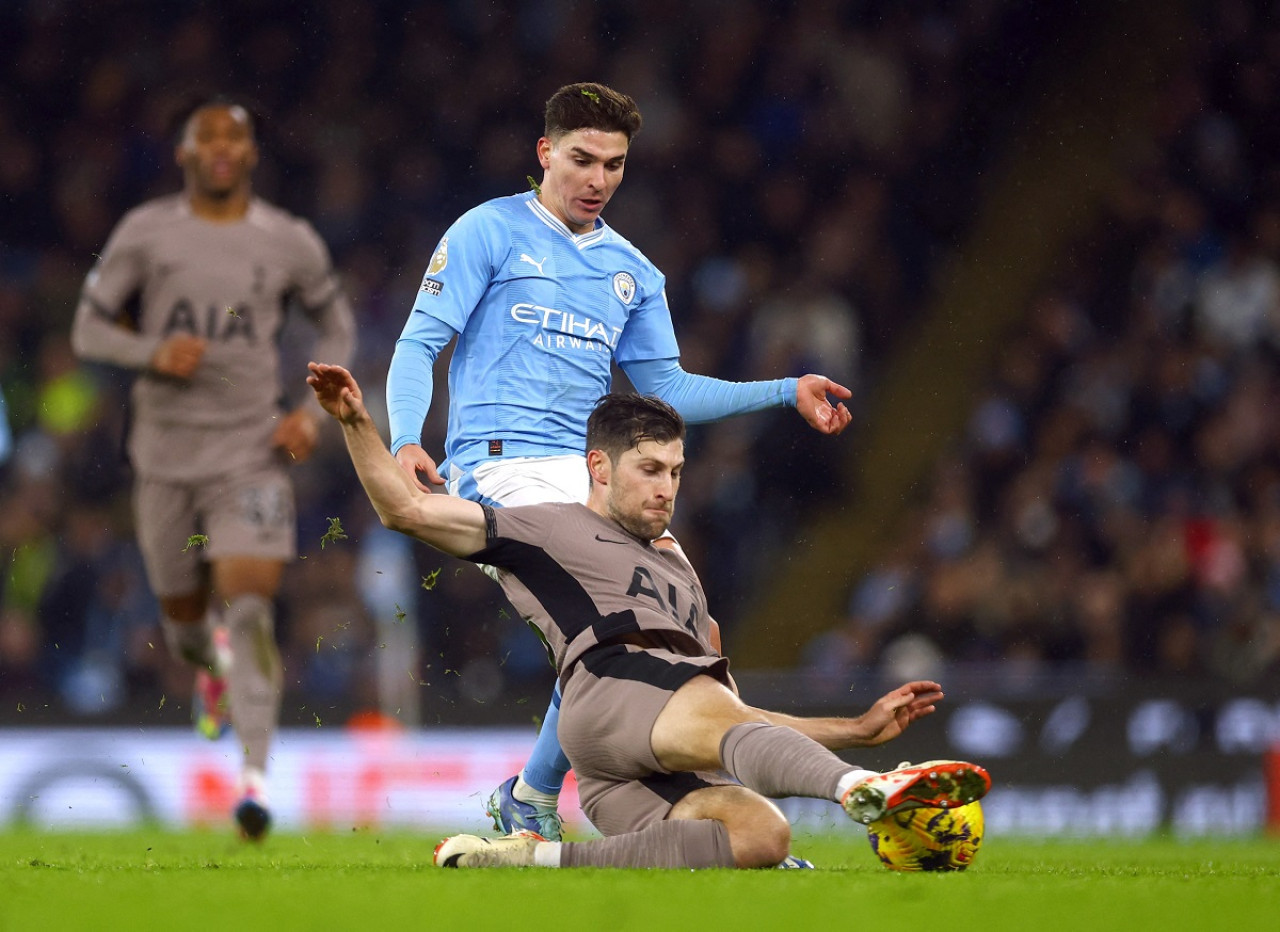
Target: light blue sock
{"points": [[547, 765]]}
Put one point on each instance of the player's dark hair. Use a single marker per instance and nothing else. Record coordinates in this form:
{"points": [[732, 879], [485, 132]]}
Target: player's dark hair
{"points": [[201, 100], [621, 420], [591, 106]]}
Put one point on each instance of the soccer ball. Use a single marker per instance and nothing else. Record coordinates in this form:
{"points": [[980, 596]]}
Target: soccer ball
{"points": [[928, 839]]}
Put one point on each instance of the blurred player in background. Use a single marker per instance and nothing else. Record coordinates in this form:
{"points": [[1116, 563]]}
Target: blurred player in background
{"points": [[650, 714], [543, 296], [191, 291]]}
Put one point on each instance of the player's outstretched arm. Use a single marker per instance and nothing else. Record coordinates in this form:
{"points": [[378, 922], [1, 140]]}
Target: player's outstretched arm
{"points": [[454, 525], [815, 407], [888, 717], [700, 398]]}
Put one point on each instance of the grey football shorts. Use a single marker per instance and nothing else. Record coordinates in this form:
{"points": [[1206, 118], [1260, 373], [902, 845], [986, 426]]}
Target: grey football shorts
{"points": [[609, 705], [245, 514]]}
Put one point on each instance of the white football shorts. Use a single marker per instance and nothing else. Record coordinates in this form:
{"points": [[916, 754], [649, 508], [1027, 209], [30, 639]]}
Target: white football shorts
{"points": [[529, 480]]}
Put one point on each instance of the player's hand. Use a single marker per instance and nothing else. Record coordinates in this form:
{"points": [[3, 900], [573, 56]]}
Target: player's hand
{"points": [[890, 715], [178, 356], [337, 392], [296, 434], [415, 461], [816, 409]]}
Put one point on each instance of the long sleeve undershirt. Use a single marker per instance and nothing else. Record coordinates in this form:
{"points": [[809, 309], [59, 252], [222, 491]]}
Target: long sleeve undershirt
{"points": [[700, 398], [410, 379]]}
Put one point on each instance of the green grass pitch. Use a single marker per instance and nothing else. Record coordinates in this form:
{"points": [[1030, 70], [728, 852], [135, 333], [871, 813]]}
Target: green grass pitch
{"points": [[366, 879]]}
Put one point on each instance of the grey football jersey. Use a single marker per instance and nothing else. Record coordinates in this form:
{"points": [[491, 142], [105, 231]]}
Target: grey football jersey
{"points": [[581, 579], [229, 283]]}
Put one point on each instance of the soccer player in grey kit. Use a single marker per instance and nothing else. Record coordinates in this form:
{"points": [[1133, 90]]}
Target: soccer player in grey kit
{"points": [[649, 712], [191, 291]]}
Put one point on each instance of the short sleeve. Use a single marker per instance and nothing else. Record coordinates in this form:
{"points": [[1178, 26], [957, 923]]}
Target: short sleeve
{"points": [[461, 268], [649, 333]]}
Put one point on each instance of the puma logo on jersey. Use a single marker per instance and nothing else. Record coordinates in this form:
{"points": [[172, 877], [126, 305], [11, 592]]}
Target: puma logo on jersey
{"points": [[533, 262]]}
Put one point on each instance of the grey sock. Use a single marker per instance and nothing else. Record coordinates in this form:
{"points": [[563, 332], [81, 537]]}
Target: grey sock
{"points": [[191, 641], [777, 761], [254, 681], [684, 843]]}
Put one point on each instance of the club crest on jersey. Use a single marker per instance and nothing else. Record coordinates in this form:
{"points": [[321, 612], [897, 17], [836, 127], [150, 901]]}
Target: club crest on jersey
{"points": [[440, 259], [624, 286]]}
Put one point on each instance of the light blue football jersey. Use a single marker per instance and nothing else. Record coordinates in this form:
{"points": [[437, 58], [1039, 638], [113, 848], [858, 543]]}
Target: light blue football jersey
{"points": [[540, 314]]}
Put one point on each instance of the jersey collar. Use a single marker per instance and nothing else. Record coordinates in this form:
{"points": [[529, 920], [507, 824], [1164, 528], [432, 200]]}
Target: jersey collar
{"points": [[256, 214], [580, 240]]}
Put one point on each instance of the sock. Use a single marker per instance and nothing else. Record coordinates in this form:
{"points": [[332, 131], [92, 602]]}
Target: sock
{"points": [[547, 854], [689, 843], [254, 680], [850, 780], [545, 770], [777, 761], [253, 782], [527, 794], [191, 641]]}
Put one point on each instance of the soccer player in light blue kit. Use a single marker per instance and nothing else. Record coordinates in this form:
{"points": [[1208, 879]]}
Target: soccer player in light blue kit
{"points": [[542, 296]]}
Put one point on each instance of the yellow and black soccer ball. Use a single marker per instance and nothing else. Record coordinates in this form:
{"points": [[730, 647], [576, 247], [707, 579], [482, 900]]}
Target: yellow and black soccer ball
{"points": [[928, 839]]}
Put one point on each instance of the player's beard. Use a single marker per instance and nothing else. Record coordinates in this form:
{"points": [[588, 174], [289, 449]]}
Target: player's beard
{"points": [[639, 526]]}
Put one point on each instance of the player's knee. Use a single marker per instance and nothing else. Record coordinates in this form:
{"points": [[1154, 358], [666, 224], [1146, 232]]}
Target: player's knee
{"points": [[762, 841]]}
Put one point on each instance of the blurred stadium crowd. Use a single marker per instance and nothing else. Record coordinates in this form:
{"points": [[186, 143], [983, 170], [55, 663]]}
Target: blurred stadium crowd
{"points": [[1114, 504], [802, 170]]}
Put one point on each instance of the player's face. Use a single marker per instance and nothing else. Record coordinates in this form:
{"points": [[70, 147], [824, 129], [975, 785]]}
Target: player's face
{"points": [[642, 487], [218, 152], [582, 169]]}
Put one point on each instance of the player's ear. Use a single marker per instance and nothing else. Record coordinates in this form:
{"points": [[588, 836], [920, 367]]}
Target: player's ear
{"points": [[544, 152], [598, 466]]}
